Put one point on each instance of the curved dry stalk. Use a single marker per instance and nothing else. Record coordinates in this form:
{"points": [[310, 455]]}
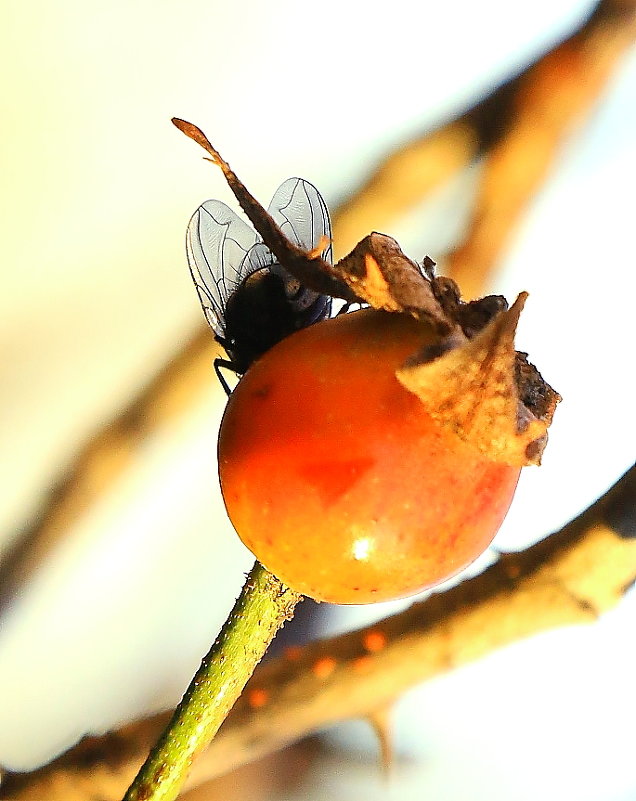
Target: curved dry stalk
{"points": [[571, 577]]}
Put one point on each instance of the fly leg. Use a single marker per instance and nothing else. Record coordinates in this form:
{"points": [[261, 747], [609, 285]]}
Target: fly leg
{"points": [[218, 364]]}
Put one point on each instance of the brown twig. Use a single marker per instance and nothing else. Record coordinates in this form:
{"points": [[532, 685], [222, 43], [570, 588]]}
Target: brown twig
{"points": [[571, 577]]}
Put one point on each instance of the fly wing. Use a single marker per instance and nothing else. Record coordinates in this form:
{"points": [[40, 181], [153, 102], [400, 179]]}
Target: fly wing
{"points": [[223, 250], [218, 244], [299, 210]]}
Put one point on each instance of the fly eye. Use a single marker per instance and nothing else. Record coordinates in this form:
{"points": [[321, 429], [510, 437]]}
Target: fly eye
{"points": [[293, 288]]}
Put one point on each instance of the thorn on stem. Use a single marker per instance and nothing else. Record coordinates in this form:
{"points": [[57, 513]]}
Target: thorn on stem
{"points": [[380, 720]]}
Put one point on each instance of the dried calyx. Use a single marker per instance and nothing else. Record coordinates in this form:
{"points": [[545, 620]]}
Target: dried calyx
{"points": [[472, 378]]}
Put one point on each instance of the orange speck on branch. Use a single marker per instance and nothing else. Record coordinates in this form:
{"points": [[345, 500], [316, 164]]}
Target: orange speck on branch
{"points": [[324, 667], [374, 641], [257, 698], [362, 663], [293, 652]]}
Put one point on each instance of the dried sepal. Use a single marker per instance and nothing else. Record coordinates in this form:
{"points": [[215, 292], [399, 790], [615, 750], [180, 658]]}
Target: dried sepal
{"points": [[307, 266], [473, 388], [380, 274], [535, 393]]}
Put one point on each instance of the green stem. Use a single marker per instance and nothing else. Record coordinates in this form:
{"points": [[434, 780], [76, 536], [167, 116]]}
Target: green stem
{"points": [[261, 609]]}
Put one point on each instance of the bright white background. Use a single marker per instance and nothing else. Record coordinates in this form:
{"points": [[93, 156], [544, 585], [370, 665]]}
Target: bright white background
{"points": [[97, 187]]}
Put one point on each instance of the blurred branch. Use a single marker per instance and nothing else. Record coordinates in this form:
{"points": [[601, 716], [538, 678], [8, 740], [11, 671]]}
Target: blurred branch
{"points": [[520, 127], [105, 458], [550, 100], [403, 179], [571, 577]]}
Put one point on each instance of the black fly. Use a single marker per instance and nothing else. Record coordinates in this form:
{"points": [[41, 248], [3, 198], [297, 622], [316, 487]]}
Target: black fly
{"points": [[250, 301]]}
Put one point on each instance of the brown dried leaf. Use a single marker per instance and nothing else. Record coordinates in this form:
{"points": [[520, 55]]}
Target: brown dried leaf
{"points": [[473, 388], [380, 274]]}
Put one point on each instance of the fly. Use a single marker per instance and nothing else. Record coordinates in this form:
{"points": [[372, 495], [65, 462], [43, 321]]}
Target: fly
{"points": [[249, 299]]}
